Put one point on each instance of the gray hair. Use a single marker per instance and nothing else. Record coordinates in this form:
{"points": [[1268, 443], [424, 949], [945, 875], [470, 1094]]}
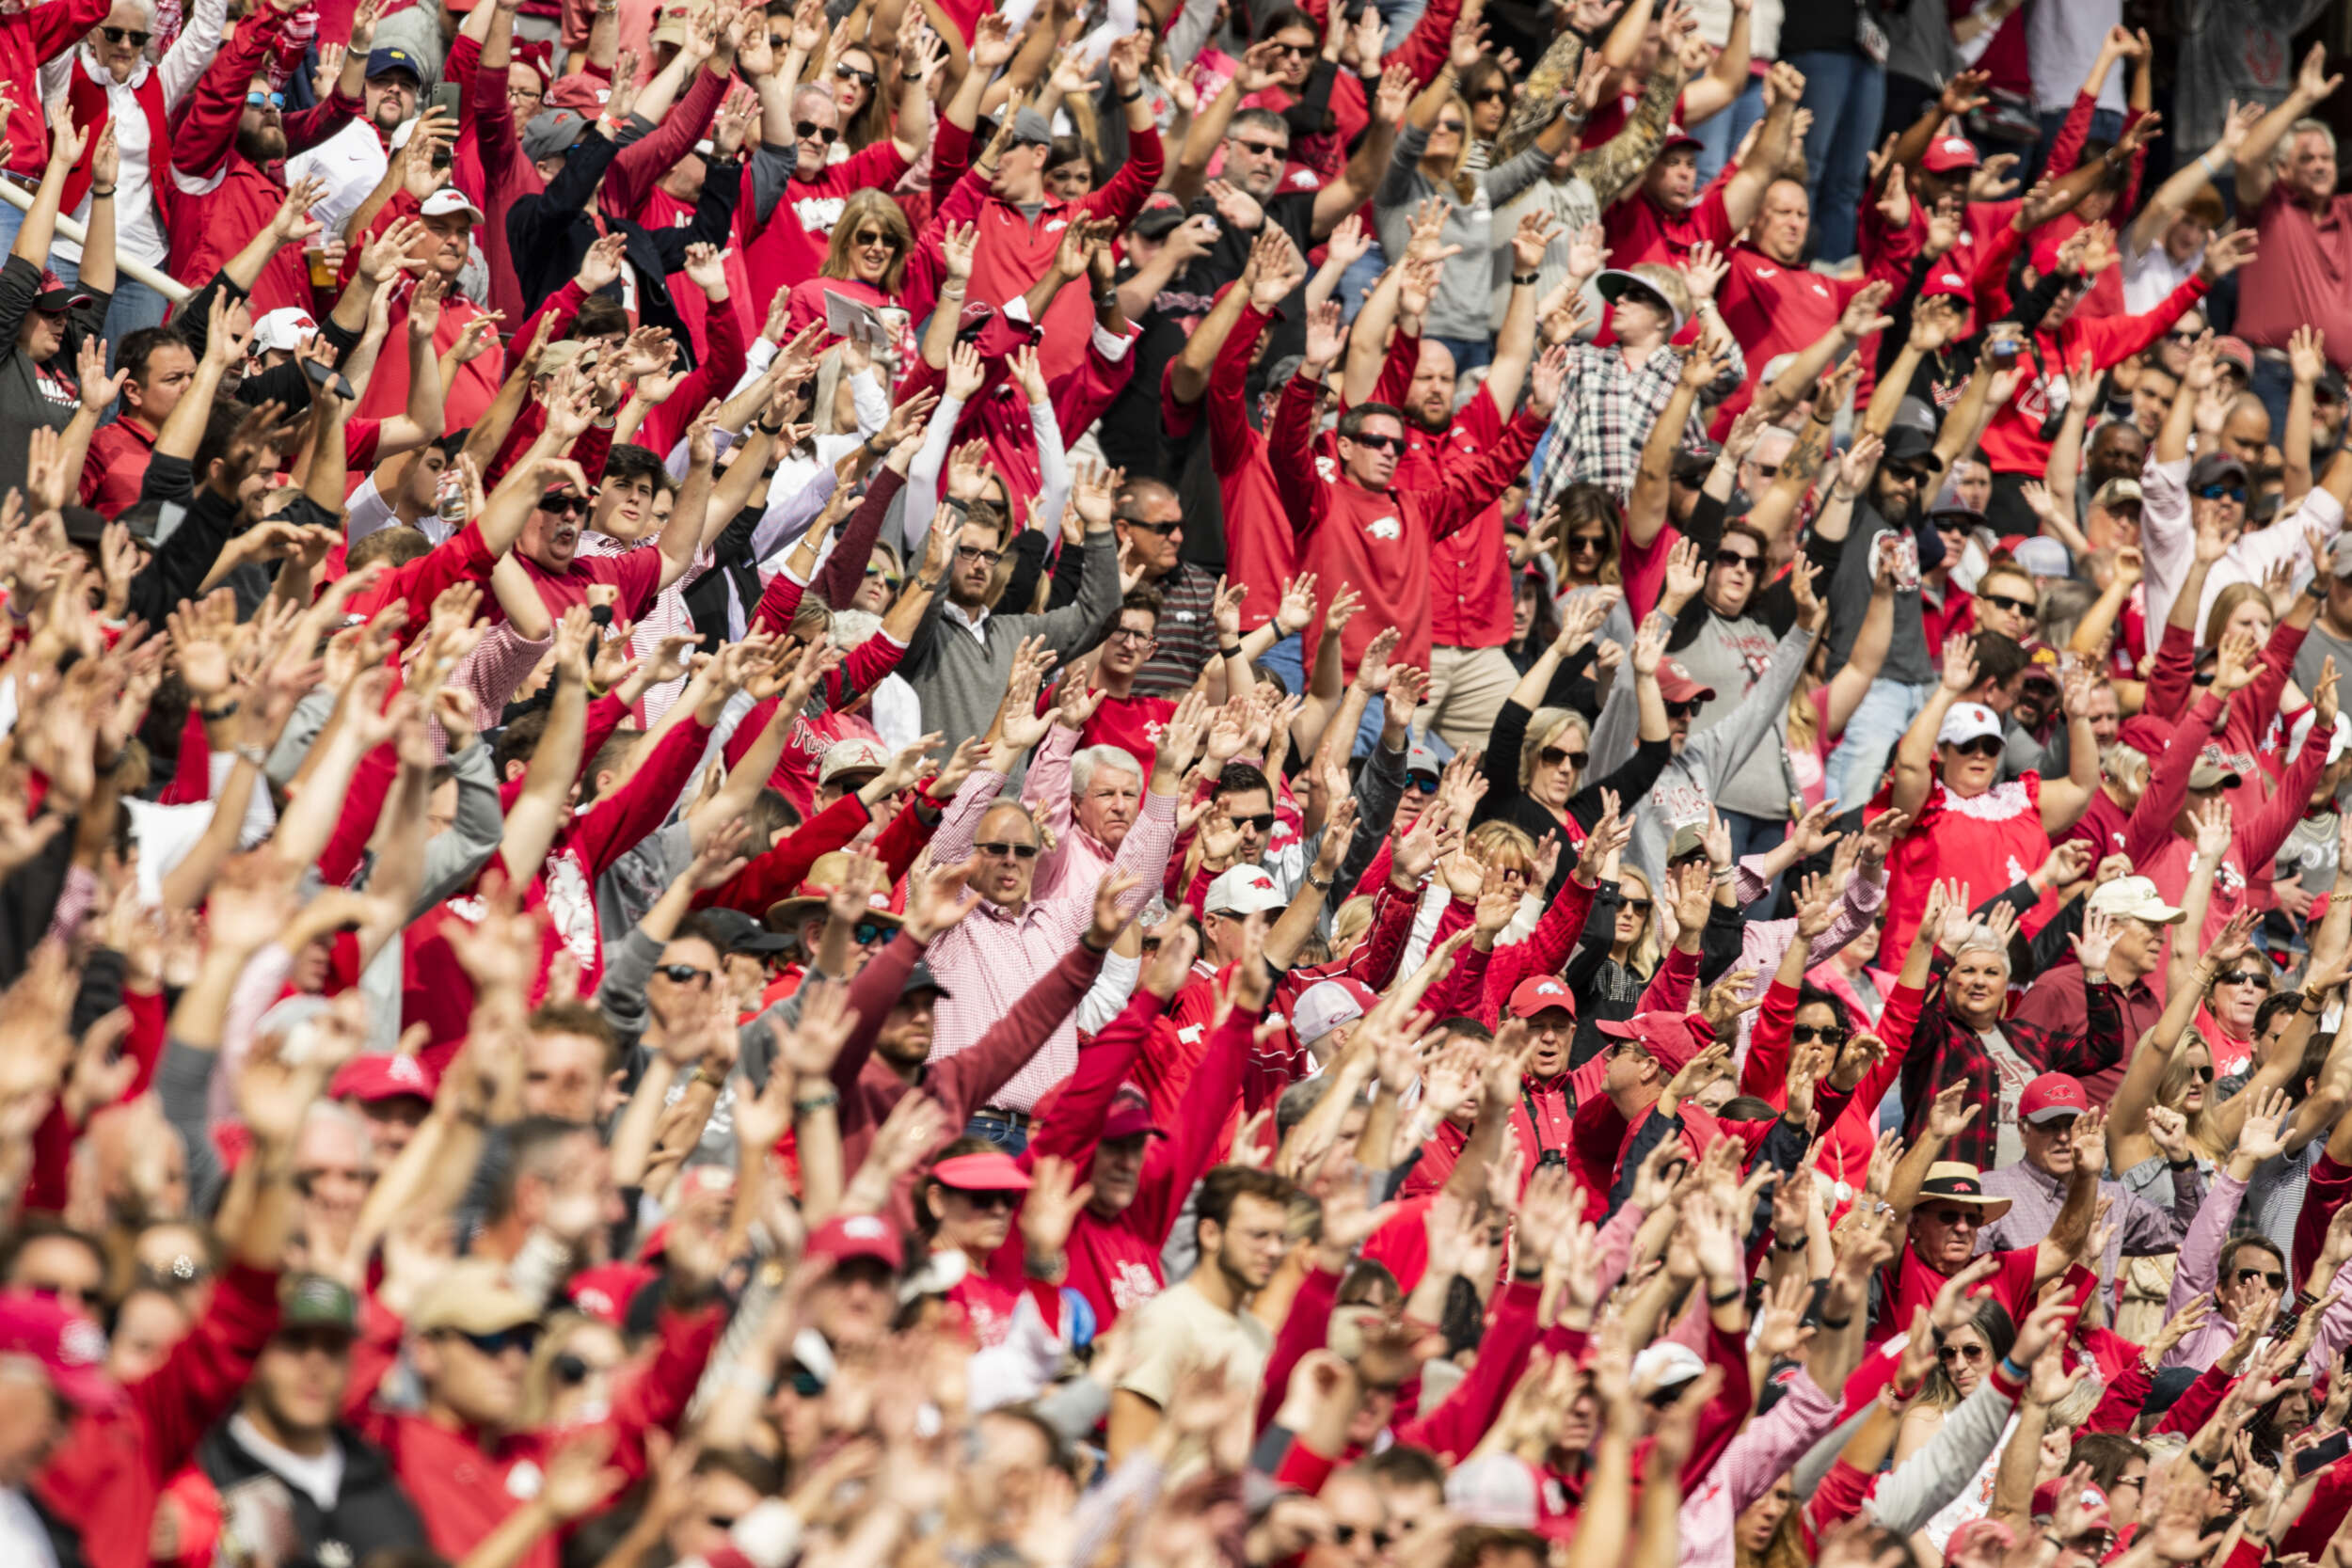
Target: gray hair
{"points": [[852, 627], [2125, 765], [1981, 939], [1083, 764], [2284, 153]]}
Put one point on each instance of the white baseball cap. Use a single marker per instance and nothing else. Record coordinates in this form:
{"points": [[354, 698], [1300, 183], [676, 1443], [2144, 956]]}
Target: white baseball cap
{"points": [[286, 328], [1242, 890], [2132, 897], [1968, 721]]}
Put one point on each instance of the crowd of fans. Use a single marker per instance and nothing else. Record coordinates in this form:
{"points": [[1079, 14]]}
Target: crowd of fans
{"points": [[1186, 782]]}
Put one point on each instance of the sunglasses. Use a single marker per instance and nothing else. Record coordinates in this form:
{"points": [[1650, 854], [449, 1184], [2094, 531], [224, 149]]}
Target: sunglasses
{"points": [[878, 571], [851, 73], [804, 129], [1163, 530], [988, 1202], [1825, 1033], [569, 1368], [2224, 492], [1954, 1215], [867, 932], [2177, 337], [125, 35], [1380, 443], [1579, 544], [683, 974], [2015, 606], [864, 237], [2241, 977], [1453, 125], [1983, 746], [2203, 1074], [1901, 473], [522, 1337], [1639, 906], [1262, 149], [1737, 558], [1425, 784], [1953, 1355], [1151, 944], [255, 100], [1295, 51], [1683, 710], [2276, 1281], [1001, 851], [564, 506], [1264, 821], [1345, 1535], [973, 552], [1554, 756]]}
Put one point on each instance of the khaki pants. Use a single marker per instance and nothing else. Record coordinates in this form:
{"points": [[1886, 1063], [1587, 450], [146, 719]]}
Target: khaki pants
{"points": [[1466, 687]]}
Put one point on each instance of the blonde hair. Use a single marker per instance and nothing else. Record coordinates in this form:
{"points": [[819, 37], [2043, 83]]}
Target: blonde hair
{"points": [[1544, 726], [877, 206], [1465, 186], [1641, 958], [1350, 923], [2225, 605]]}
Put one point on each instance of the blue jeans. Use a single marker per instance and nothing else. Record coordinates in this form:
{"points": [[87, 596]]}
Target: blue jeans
{"points": [[1847, 94], [1879, 720], [2106, 125], [1718, 134], [1012, 1138], [2273, 382], [1287, 659], [1361, 275], [133, 306]]}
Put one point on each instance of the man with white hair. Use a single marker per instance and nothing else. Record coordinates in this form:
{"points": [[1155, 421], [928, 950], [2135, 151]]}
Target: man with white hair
{"points": [[110, 81], [2286, 188]]}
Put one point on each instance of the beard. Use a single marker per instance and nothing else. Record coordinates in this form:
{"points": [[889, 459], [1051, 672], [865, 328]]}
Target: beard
{"points": [[1899, 510], [262, 144]]}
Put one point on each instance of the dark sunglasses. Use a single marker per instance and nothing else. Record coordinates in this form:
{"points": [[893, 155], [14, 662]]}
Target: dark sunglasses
{"points": [[1380, 443], [1982, 745], [1951, 1354], [874, 237], [1639, 906], [974, 553], [1163, 530], [1737, 558], [2223, 492], [1554, 756], [564, 506], [1580, 543], [1453, 125], [1425, 784], [1954, 1215], [998, 851], [1346, 1534], [1264, 821], [569, 1368], [1262, 149], [1903, 473], [867, 932], [522, 1337], [682, 974], [125, 35], [2015, 606], [804, 129], [1683, 710], [1295, 51], [2241, 977], [987, 1202], [2276, 1281], [2203, 1074], [1826, 1033], [849, 72]]}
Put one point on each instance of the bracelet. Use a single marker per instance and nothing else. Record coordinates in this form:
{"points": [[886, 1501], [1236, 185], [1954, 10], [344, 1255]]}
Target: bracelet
{"points": [[2014, 1372], [97, 192], [927, 587], [1528, 1276], [1738, 1292], [2056, 1544], [1526, 280], [1130, 97], [816, 1102], [767, 429], [1319, 884], [704, 1075], [1225, 652], [252, 753]]}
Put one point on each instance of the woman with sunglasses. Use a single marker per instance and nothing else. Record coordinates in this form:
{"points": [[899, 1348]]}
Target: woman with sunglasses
{"points": [[569, 1380], [968, 1202], [859, 95], [1616, 956], [1535, 756], [866, 262]]}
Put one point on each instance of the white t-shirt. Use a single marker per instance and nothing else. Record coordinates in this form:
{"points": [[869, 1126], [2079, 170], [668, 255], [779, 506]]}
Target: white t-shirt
{"points": [[2150, 277], [23, 1537]]}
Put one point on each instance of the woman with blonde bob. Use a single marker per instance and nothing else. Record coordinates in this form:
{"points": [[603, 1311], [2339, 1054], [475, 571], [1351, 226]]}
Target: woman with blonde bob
{"points": [[865, 260]]}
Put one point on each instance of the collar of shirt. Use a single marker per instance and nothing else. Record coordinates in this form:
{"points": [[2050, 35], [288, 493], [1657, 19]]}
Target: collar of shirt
{"points": [[2028, 1170], [962, 618]]}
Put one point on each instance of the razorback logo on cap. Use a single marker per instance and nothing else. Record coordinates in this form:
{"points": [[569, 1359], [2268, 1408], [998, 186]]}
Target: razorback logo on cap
{"points": [[405, 1070], [82, 1344], [864, 1227], [1958, 147], [1549, 988]]}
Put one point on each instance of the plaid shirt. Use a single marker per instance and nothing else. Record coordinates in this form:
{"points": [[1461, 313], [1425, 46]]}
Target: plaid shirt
{"points": [[1606, 410], [1945, 1051]]}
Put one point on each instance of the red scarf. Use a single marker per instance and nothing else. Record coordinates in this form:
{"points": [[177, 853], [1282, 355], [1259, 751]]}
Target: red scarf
{"points": [[92, 105]]}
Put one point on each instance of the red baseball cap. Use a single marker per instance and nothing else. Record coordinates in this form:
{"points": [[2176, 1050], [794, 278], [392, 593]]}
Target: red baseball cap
{"points": [[1671, 1038], [1678, 136], [1531, 996], [847, 1237], [1130, 1114], [1676, 685], [2045, 1500], [375, 1077], [2051, 1096], [605, 1291], [1947, 154], [70, 1348], [984, 1172], [580, 93], [1945, 281]]}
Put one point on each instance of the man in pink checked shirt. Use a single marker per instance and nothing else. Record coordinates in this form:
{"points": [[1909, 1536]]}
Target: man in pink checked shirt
{"points": [[988, 960]]}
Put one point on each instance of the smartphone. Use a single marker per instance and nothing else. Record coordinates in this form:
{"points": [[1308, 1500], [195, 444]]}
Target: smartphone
{"points": [[444, 97], [2326, 1451], [329, 378]]}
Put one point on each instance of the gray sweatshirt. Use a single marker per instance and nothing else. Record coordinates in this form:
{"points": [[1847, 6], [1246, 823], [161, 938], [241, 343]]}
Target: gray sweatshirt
{"points": [[1462, 308]]}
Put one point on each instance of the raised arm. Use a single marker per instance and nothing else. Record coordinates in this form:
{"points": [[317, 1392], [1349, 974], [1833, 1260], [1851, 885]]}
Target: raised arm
{"points": [[2256, 173]]}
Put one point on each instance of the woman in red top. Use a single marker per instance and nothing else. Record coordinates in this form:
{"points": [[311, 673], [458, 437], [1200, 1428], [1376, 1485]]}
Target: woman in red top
{"points": [[865, 261], [968, 1203]]}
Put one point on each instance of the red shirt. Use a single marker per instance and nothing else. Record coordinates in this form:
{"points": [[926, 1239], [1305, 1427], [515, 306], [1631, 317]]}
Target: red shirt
{"points": [[2299, 275], [637, 573], [1134, 724], [1470, 570], [1639, 229], [1772, 309], [1260, 549], [1913, 1285], [1988, 842], [116, 467]]}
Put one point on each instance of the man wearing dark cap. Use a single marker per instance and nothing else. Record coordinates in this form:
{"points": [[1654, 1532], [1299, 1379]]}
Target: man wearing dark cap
{"points": [[338, 1488], [1891, 515], [352, 160]]}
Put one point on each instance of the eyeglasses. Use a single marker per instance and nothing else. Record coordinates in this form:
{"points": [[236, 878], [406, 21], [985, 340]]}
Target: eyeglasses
{"points": [[1826, 1033], [1000, 852], [1380, 443], [1129, 634], [2241, 977], [974, 552], [864, 237], [1683, 710], [1950, 1354], [1982, 745], [1346, 1534], [683, 974], [849, 72], [255, 100], [1264, 821], [522, 1337], [2224, 492], [125, 35], [804, 129], [1262, 149], [2015, 606], [1555, 756], [2276, 1281], [1737, 558], [1580, 544], [564, 506]]}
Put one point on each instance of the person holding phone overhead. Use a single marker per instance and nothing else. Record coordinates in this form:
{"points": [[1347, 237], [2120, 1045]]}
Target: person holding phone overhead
{"points": [[353, 161]]}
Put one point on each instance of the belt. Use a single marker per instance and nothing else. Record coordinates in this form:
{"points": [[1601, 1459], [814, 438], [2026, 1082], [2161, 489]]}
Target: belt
{"points": [[1018, 1119], [2276, 354], [22, 182]]}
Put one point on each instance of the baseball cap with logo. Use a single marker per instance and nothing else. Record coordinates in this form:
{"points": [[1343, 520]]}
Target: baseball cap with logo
{"points": [[1671, 1038], [1242, 890], [314, 1301], [2131, 897], [1678, 136], [1161, 215], [72, 1350], [554, 132], [605, 1291], [284, 329], [448, 202], [857, 754], [2051, 1096], [2210, 773], [1947, 153], [845, 1238], [1677, 684], [1533, 996], [383, 62], [1130, 1115], [1968, 721], [2235, 352], [1329, 1004], [472, 1297], [1496, 1490], [377, 1077], [1945, 281]]}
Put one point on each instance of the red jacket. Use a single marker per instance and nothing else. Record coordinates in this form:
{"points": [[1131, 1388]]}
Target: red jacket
{"points": [[30, 39], [104, 1478], [216, 199]]}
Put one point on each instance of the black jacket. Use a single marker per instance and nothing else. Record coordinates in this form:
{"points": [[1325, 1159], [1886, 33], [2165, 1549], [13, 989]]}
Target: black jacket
{"points": [[548, 235], [371, 1512]]}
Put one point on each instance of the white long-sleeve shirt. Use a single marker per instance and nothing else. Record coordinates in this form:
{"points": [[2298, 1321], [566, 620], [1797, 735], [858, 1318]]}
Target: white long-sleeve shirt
{"points": [[2168, 539], [138, 228]]}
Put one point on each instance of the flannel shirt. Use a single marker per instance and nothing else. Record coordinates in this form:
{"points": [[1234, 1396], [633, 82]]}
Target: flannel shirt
{"points": [[1605, 414], [1945, 1051]]}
